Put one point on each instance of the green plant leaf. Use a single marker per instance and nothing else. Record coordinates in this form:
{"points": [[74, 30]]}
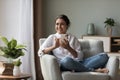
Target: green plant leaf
{"points": [[20, 46], [4, 39], [110, 22], [1, 53], [4, 52], [11, 50], [19, 53], [17, 63], [12, 44]]}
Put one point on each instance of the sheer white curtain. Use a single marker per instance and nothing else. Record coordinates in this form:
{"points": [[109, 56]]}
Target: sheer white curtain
{"points": [[26, 36]]}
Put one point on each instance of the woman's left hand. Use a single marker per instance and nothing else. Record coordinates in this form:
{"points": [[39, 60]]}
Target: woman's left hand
{"points": [[64, 43]]}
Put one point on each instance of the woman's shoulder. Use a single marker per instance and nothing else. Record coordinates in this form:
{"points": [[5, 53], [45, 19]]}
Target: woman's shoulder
{"points": [[51, 35], [71, 35]]}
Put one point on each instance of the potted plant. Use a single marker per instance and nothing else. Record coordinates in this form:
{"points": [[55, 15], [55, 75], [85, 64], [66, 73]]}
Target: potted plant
{"points": [[11, 50], [16, 70], [109, 23]]}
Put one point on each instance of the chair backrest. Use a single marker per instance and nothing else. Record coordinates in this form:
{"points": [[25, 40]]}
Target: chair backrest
{"points": [[89, 47], [41, 41]]}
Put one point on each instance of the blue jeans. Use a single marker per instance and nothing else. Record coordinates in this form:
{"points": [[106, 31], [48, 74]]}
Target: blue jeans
{"points": [[88, 64]]}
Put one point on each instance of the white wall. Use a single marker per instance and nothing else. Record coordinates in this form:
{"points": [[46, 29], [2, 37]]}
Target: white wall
{"points": [[81, 12], [9, 19]]}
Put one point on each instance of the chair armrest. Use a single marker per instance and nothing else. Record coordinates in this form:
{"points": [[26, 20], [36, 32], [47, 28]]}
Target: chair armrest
{"points": [[113, 66], [50, 67]]}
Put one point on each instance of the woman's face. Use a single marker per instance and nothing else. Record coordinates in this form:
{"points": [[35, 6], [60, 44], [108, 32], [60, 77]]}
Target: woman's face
{"points": [[61, 26]]}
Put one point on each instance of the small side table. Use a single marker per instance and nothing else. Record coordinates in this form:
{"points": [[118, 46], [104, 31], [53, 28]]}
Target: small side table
{"points": [[22, 76]]}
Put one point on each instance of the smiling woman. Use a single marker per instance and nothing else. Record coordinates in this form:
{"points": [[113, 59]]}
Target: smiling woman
{"points": [[67, 49]]}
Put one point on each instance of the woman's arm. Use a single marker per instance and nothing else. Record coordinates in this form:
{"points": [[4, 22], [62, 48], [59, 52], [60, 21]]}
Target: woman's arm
{"points": [[55, 45], [47, 50], [73, 52]]}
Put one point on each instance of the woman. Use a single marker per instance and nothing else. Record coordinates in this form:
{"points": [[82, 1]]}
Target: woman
{"points": [[66, 48]]}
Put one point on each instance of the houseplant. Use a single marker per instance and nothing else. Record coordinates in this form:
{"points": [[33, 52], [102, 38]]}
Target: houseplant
{"points": [[109, 23], [11, 50], [16, 70]]}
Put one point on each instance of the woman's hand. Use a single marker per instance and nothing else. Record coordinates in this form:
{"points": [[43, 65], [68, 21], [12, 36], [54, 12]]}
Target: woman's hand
{"points": [[54, 46], [56, 43], [64, 43]]}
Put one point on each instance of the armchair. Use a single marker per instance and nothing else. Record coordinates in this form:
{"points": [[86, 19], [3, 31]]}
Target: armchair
{"points": [[51, 71]]}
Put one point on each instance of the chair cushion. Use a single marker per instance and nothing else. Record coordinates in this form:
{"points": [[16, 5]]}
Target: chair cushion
{"points": [[85, 76], [91, 47]]}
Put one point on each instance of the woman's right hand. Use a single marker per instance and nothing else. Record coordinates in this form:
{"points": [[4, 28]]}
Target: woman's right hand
{"points": [[55, 45]]}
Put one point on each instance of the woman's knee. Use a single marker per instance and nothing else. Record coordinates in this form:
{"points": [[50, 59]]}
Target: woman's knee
{"points": [[66, 60], [105, 57], [65, 63]]}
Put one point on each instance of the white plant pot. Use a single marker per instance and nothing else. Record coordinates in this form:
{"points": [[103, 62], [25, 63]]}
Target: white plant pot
{"points": [[16, 71]]}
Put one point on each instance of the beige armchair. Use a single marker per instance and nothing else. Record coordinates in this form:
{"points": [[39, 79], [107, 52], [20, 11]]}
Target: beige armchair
{"points": [[51, 71]]}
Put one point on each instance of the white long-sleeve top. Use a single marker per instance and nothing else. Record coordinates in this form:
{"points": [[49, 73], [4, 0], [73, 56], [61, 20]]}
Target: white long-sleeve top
{"points": [[61, 52]]}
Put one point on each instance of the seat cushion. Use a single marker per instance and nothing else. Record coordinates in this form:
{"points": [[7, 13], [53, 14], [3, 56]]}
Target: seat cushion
{"points": [[85, 76]]}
